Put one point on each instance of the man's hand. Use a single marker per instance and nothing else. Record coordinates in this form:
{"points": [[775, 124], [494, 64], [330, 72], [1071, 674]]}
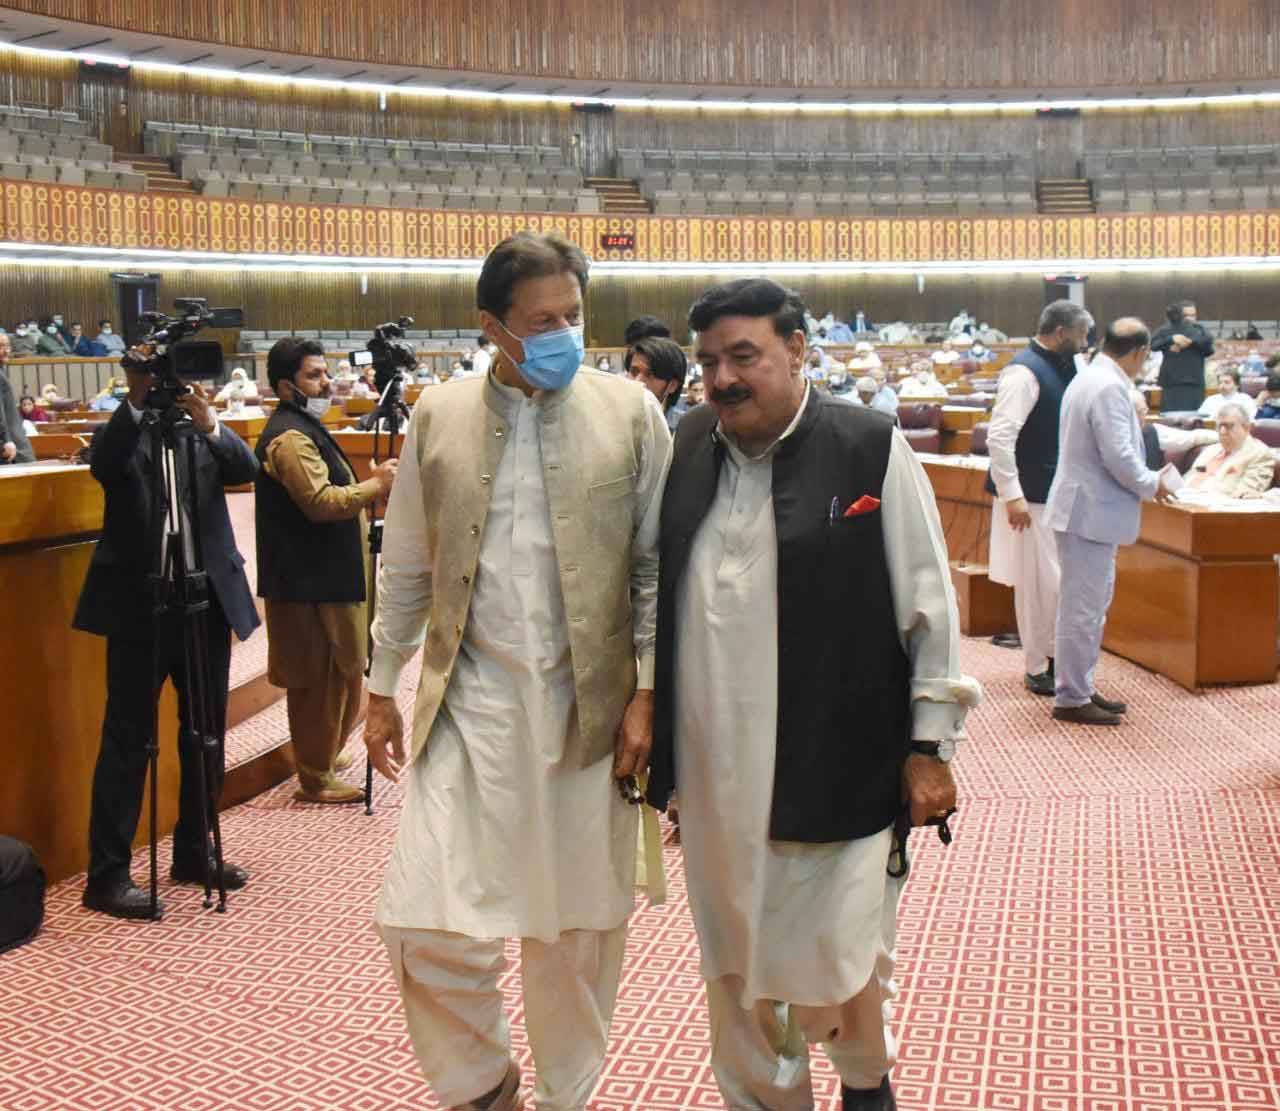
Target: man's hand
{"points": [[384, 736], [927, 786], [635, 736], [385, 474], [9, 452], [1164, 492], [1019, 514], [195, 404], [1180, 341]]}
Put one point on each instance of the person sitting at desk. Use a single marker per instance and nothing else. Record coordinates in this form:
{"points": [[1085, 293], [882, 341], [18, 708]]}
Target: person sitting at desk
{"points": [[51, 342], [1268, 400], [109, 398], [980, 353], [946, 355], [24, 342], [872, 394], [30, 410], [1229, 393], [1241, 466], [1161, 440], [922, 383], [238, 385]]}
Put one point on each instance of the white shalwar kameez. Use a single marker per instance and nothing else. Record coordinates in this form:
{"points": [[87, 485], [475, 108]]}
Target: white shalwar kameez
{"points": [[783, 922], [1026, 560], [501, 835]]}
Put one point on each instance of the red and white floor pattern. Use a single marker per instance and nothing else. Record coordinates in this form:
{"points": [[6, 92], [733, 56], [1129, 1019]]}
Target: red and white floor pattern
{"points": [[1104, 935]]}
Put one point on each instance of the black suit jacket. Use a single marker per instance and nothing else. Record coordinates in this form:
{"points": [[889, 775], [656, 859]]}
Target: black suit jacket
{"points": [[116, 597]]}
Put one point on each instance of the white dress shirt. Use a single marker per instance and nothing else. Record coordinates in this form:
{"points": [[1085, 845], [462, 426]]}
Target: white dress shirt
{"points": [[930, 387], [501, 835], [1016, 395], [1209, 410], [796, 922]]}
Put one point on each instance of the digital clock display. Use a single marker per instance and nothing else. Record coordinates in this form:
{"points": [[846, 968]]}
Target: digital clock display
{"points": [[618, 241]]}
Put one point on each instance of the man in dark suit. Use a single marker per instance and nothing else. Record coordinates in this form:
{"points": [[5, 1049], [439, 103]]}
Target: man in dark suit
{"points": [[1185, 346], [143, 650]]}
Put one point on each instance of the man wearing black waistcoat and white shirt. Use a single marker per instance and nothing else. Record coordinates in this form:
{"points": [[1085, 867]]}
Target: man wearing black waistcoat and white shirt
{"points": [[116, 602], [1023, 444], [808, 682]]}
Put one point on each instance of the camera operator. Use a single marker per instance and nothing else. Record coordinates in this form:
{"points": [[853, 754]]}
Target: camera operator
{"points": [[143, 650], [311, 566]]}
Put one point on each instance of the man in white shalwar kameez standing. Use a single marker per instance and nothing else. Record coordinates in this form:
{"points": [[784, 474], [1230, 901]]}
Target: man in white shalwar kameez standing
{"points": [[1022, 441], [524, 545], [808, 683]]}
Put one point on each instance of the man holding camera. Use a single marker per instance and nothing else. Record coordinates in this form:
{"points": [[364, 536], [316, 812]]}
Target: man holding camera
{"points": [[144, 649], [311, 566]]}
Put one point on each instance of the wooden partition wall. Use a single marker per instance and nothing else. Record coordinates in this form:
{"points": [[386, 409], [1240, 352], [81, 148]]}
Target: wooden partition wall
{"points": [[877, 44]]}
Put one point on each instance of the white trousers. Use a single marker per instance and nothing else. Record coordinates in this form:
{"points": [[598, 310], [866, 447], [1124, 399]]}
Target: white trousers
{"points": [[1028, 562], [1088, 582], [449, 986], [760, 1054]]}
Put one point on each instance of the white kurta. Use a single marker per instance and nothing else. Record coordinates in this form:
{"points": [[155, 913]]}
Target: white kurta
{"points": [[1027, 560], [501, 836], [796, 922]]}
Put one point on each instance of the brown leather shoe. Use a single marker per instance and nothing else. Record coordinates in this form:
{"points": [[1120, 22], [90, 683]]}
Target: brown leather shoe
{"points": [[336, 792], [505, 1097], [1088, 714]]}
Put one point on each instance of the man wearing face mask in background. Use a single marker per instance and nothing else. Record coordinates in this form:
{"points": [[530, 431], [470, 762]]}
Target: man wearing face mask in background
{"points": [[52, 341], [311, 566], [111, 343], [522, 541], [24, 342]]}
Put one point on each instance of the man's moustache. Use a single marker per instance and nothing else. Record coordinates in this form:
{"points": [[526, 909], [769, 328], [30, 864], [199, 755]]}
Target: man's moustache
{"points": [[731, 396]]}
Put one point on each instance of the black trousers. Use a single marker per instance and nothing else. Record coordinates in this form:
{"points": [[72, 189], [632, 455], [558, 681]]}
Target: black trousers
{"points": [[135, 674]]}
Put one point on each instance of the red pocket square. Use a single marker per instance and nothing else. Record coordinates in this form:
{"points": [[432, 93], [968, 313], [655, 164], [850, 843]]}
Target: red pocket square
{"points": [[864, 504]]}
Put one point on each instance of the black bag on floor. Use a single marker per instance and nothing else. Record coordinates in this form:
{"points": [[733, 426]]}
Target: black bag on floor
{"points": [[21, 893]]}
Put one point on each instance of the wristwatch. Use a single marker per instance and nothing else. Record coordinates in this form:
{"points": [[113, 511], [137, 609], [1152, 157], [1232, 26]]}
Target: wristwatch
{"points": [[939, 750]]}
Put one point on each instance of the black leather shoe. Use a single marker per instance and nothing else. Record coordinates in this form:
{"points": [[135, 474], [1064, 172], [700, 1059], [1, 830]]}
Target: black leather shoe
{"points": [[1039, 684], [1088, 714], [187, 871], [1108, 705], [868, 1099], [121, 900], [1007, 640]]}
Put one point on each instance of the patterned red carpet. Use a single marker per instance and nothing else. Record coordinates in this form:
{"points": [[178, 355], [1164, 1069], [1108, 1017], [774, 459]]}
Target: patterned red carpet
{"points": [[1103, 935]]}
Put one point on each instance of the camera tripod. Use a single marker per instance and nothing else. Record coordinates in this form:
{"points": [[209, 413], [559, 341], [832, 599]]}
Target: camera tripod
{"points": [[391, 409], [180, 592]]}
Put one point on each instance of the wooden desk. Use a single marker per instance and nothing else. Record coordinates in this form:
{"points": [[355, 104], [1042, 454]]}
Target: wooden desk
{"points": [[958, 422], [57, 445], [55, 689], [358, 447], [1196, 597]]}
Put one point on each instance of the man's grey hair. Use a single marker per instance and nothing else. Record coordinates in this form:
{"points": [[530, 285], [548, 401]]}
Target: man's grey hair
{"points": [[1062, 314], [1238, 409]]}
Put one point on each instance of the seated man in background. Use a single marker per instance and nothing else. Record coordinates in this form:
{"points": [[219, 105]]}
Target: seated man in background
{"points": [[51, 341], [990, 335], [1254, 363], [111, 343], [946, 354], [922, 383], [81, 345], [980, 353], [872, 394], [109, 397], [1229, 392], [1241, 466], [24, 342], [864, 356], [1269, 399]]}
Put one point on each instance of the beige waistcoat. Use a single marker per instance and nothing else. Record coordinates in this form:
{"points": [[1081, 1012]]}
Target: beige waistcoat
{"points": [[592, 436]]}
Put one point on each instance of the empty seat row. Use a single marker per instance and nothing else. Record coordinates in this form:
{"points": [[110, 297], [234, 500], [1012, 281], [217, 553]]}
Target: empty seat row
{"points": [[48, 121], [837, 204], [233, 165], [102, 175], [1160, 159], [168, 138], [403, 196], [635, 163], [1174, 199], [18, 142], [833, 183]]}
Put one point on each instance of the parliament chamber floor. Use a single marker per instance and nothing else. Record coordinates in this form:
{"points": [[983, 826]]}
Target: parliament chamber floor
{"points": [[1101, 934]]}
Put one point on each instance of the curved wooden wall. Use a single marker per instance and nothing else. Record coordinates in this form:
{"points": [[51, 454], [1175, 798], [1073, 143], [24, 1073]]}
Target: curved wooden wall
{"points": [[875, 44]]}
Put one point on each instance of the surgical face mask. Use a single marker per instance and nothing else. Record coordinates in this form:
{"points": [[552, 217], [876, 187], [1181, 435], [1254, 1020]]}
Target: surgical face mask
{"points": [[318, 406], [604, 365], [22, 331], [106, 331], [551, 359], [52, 329], [120, 391], [57, 320]]}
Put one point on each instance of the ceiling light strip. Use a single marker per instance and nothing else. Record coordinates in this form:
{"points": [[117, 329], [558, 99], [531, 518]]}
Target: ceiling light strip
{"points": [[795, 107]]}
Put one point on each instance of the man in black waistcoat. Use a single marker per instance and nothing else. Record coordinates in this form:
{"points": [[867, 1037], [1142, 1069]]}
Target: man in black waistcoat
{"points": [[311, 531], [116, 603], [808, 694], [1185, 345], [1022, 442]]}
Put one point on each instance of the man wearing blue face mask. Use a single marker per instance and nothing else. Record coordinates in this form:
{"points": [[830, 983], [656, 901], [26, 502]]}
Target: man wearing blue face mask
{"points": [[311, 533], [521, 540]]}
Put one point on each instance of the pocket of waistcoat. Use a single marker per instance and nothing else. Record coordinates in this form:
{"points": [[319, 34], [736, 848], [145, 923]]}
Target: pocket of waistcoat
{"points": [[613, 489]]}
